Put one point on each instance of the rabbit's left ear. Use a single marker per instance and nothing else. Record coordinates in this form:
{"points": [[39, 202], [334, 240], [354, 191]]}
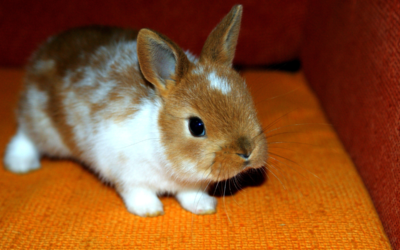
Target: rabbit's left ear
{"points": [[220, 45], [161, 61]]}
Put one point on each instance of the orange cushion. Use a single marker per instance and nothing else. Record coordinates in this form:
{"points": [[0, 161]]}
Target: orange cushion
{"points": [[313, 198]]}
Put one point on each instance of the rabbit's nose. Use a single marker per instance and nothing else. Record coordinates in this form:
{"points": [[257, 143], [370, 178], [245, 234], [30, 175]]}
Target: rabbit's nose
{"points": [[245, 148]]}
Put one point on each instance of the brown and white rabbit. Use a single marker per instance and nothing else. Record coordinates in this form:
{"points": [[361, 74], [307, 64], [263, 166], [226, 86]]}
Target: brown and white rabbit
{"points": [[146, 116]]}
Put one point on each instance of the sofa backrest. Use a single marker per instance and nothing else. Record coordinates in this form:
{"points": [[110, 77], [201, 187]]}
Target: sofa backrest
{"points": [[271, 31]]}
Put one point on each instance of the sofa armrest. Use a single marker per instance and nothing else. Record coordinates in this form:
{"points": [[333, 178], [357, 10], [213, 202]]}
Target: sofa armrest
{"points": [[351, 56]]}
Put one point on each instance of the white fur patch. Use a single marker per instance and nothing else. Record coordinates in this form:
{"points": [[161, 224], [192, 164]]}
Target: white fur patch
{"points": [[191, 57], [219, 83]]}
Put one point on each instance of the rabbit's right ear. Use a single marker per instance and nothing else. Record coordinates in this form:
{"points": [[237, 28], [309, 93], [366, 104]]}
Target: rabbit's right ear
{"points": [[220, 45], [161, 61]]}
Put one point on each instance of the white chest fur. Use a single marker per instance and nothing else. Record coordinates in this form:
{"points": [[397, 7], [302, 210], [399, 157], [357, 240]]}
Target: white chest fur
{"points": [[131, 151]]}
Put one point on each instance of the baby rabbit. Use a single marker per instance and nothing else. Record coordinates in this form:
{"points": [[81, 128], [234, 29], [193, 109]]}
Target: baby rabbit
{"points": [[143, 114]]}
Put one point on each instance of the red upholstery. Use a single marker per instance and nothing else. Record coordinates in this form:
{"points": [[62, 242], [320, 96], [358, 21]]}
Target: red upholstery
{"points": [[351, 57], [270, 32]]}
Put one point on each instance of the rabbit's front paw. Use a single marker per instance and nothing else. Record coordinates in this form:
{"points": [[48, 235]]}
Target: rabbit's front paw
{"points": [[142, 202], [197, 202]]}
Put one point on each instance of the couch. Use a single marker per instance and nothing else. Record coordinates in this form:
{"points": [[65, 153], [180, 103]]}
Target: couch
{"points": [[333, 173]]}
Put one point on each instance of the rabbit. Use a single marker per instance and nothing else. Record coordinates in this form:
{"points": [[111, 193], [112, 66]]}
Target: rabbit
{"points": [[147, 117]]}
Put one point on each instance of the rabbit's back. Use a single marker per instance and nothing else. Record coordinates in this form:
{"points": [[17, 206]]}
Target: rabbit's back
{"points": [[77, 80], [73, 48]]}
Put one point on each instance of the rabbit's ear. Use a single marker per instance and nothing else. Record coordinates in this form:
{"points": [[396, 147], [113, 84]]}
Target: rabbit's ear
{"points": [[221, 43], [161, 61]]}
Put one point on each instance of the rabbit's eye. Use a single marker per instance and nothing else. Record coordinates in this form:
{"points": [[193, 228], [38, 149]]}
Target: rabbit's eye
{"points": [[196, 127]]}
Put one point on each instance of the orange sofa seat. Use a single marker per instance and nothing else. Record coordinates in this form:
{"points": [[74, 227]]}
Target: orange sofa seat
{"points": [[313, 197]]}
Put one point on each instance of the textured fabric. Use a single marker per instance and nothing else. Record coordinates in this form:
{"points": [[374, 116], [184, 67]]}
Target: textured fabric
{"points": [[313, 198], [271, 30], [351, 57]]}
